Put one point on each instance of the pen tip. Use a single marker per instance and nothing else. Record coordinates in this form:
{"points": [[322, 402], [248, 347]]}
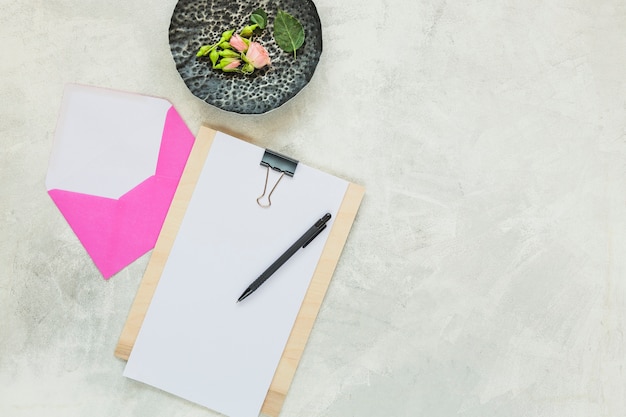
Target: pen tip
{"points": [[246, 293]]}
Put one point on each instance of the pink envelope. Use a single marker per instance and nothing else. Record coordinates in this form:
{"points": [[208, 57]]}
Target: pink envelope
{"points": [[116, 161]]}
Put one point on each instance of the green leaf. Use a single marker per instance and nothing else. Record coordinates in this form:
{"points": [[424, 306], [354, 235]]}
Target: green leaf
{"points": [[288, 32], [259, 17]]}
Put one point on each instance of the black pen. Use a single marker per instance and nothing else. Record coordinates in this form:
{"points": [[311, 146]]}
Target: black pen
{"points": [[306, 238]]}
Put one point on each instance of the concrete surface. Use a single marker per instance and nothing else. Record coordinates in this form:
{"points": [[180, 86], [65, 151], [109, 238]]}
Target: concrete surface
{"points": [[485, 274]]}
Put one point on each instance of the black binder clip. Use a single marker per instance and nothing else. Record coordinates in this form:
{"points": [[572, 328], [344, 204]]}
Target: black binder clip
{"points": [[277, 162]]}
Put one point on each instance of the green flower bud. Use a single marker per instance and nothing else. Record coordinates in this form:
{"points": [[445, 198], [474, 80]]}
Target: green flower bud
{"points": [[214, 56], [247, 68], [226, 36], [204, 50], [227, 53], [247, 31], [225, 45]]}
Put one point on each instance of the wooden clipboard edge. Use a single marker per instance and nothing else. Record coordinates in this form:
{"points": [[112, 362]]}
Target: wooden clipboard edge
{"points": [[312, 301], [164, 243]]}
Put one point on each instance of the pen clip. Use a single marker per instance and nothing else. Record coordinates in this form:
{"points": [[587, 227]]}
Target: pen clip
{"points": [[314, 236]]}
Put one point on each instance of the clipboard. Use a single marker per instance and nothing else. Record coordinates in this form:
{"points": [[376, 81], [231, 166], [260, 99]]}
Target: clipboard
{"points": [[310, 306]]}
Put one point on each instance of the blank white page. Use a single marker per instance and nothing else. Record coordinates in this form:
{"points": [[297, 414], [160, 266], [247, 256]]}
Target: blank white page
{"points": [[106, 142], [196, 341]]}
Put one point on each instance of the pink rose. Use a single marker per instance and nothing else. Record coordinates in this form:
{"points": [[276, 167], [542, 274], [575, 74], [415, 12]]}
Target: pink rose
{"points": [[257, 55], [238, 43], [232, 65], [228, 64]]}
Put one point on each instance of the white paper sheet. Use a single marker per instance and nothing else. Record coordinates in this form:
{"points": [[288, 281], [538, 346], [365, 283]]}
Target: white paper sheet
{"points": [[196, 341]]}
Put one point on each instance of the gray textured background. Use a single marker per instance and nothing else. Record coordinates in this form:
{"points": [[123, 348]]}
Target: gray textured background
{"points": [[485, 274]]}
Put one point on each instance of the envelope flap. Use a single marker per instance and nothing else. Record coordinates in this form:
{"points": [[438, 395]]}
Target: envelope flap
{"points": [[106, 141]]}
